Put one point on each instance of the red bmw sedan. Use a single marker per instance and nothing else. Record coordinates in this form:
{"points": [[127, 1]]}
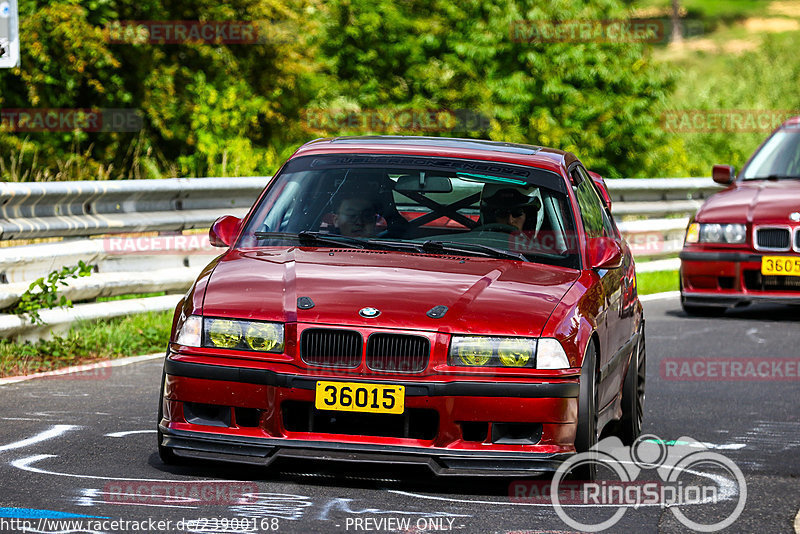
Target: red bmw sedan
{"points": [[462, 304], [743, 245]]}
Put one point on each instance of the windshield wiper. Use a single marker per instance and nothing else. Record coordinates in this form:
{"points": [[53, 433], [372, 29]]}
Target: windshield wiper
{"points": [[455, 246], [315, 238], [319, 238]]}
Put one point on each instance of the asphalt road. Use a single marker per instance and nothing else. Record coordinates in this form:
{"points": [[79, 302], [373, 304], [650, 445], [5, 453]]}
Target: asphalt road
{"points": [[86, 446]]}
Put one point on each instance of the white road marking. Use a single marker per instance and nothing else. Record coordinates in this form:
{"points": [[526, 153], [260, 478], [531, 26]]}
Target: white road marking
{"points": [[752, 335], [54, 432], [797, 522], [25, 465], [728, 489], [129, 432]]}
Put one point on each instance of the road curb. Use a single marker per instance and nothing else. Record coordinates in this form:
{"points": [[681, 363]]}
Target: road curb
{"points": [[119, 362], [660, 296]]}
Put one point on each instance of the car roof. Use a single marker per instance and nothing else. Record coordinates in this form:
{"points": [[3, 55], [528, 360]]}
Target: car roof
{"points": [[792, 122], [452, 147]]}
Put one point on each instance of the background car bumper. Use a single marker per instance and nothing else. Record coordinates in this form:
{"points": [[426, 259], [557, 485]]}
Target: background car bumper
{"points": [[733, 278]]}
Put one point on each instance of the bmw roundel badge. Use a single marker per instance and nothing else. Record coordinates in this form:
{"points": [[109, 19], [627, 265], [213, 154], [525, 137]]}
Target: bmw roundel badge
{"points": [[369, 313], [795, 216]]}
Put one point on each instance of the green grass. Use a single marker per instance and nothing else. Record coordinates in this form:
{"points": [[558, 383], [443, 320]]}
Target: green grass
{"points": [[111, 338], [764, 78], [657, 282], [711, 8]]}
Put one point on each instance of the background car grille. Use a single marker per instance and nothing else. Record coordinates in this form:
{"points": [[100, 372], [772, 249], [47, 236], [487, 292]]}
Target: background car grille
{"points": [[774, 238], [754, 280], [330, 347], [397, 352]]}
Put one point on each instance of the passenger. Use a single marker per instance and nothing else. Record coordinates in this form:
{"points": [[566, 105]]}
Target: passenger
{"points": [[356, 215], [509, 206]]}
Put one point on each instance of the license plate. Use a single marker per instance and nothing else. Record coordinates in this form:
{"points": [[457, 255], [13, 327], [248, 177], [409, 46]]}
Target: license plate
{"points": [[359, 397], [783, 265]]}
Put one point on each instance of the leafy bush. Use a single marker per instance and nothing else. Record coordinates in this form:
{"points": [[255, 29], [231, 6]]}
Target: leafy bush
{"points": [[43, 292]]}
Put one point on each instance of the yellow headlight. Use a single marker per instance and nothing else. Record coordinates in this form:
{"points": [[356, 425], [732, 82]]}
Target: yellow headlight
{"points": [[514, 352], [264, 337], [224, 333], [475, 353]]}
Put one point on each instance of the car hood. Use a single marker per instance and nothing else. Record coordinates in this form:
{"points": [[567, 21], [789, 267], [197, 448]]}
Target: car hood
{"points": [[483, 295], [757, 200]]}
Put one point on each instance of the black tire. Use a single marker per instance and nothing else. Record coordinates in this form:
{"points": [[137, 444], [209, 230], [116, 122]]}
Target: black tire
{"points": [[633, 394], [165, 453], [586, 435]]}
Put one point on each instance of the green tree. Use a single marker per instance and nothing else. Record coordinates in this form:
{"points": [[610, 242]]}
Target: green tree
{"points": [[596, 99]]}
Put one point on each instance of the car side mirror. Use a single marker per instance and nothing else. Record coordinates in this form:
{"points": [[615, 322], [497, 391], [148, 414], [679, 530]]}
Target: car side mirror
{"points": [[224, 230], [604, 253], [601, 185], [723, 174]]}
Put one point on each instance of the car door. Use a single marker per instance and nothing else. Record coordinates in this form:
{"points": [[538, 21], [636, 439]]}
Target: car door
{"points": [[597, 223]]}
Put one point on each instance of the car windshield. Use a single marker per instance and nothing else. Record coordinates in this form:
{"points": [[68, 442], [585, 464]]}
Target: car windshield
{"points": [[417, 204], [778, 159]]}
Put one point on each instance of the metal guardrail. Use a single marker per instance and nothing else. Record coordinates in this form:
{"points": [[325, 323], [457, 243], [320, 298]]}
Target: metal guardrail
{"points": [[63, 209], [652, 214]]}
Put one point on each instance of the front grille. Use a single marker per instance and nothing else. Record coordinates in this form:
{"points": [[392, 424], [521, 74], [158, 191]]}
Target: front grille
{"points": [[414, 423], [397, 352], [773, 238], [331, 348], [797, 238], [755, 281]]}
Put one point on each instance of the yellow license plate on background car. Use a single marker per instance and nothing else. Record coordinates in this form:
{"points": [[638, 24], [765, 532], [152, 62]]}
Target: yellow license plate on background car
{"points": [[359, 397], [784, 265]]}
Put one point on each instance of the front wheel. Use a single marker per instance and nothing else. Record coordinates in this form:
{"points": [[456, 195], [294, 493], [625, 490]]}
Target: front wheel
{"points": [[165, 453], [586, 435], [633, 395]]}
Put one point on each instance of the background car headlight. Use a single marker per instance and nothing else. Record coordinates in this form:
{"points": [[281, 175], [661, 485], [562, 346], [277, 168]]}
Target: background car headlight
{"points": [[243, 335], [480, 351], [716, 233]]}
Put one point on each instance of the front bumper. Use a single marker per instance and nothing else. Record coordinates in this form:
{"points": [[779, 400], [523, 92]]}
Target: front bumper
{"points": [[723, 279], [481, 428]]}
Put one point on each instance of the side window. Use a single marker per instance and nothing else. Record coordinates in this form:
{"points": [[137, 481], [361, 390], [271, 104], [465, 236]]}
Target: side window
{"points": [[590, 206], [609, 228]]}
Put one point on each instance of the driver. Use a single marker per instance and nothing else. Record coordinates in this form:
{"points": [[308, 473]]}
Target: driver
{"points": [[355, 215], [509, 206]]}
